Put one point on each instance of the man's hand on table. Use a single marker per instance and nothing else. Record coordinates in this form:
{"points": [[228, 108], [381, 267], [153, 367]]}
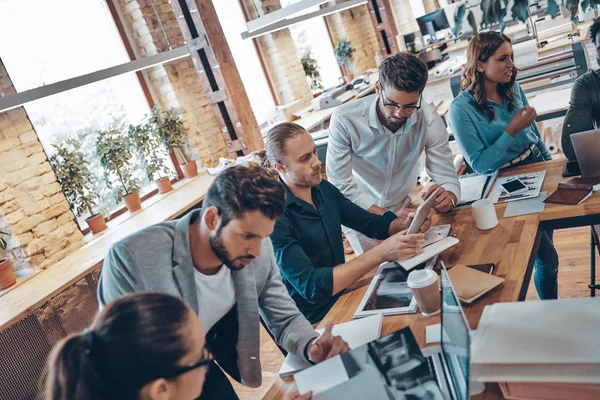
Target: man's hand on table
{"points": [[404, 220], [445, 200], [327, 345]]}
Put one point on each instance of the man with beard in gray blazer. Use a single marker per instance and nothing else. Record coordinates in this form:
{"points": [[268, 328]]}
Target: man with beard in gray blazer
{"points": [[220, 261]]}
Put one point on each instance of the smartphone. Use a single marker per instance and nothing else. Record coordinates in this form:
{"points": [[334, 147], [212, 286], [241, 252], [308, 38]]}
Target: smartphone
{"points": [[421, 213], [571, 169], [514, 187]]}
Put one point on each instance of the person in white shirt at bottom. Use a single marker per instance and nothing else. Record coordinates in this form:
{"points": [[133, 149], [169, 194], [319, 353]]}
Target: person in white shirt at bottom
{"points": [[375, 143]]}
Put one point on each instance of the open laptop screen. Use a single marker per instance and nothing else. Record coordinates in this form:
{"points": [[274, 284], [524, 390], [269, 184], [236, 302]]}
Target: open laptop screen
{"points": [[455, 340]]}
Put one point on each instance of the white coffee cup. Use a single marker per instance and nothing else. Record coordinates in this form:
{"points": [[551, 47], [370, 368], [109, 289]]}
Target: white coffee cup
{"points": [[426, 290], [484, 214]]}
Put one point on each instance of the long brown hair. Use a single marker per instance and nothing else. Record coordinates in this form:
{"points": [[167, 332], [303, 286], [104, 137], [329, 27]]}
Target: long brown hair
{"points": [[136, 339], [481, 47]]}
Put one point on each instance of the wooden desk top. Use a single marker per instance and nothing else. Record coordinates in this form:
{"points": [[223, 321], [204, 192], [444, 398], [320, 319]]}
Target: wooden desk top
{"points": [[510, 246], [28, 296]]}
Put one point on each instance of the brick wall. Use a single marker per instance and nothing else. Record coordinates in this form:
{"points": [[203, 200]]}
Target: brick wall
{"points": [[282, 64], [404, 17], [32, 204], [355, 24], [176, 84]]}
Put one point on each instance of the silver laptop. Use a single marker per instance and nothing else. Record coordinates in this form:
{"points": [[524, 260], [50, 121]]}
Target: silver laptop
{"points": [[449, 363], [587, 149]]}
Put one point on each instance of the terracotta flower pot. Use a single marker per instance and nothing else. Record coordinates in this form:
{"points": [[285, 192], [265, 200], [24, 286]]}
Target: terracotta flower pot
{"points": [[133, 202], [7, 275], [164, 185], [96, 223], [190, 169]]}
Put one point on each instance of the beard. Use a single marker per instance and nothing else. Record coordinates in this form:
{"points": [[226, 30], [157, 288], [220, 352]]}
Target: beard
{"points": [[304, 180], [218, 247]]}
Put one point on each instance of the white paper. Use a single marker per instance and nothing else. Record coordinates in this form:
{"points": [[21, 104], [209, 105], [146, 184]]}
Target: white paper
{"points": [[355, 333], [533, 181], [471, 187], [525, 53], [432, 333], [551, 101], [530, 206], [322, 376]]}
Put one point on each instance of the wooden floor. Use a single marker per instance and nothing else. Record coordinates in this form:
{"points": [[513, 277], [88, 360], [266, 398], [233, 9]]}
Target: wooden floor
{"points": [[574, 273]]}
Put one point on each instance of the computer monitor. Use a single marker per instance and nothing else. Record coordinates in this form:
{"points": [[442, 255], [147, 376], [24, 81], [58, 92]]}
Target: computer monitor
{"points": [[433, 22]]}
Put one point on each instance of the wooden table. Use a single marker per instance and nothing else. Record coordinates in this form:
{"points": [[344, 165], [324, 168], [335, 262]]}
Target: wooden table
{"points": [[512, 246]]}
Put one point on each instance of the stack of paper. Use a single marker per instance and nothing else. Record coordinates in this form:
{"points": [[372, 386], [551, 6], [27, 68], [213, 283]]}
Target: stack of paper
{"points": [[355, 333], [539, 341]]}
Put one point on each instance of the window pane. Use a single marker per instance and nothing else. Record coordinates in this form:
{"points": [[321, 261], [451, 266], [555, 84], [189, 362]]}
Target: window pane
{"points": [[60, 40], [56, 40], [245, 57]]}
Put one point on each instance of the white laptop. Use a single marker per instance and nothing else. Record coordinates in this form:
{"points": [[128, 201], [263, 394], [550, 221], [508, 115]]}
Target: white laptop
{"points": [[587, 149], [449, 362]]}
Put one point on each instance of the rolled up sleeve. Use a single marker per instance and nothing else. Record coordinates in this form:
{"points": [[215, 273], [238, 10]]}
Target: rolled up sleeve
{"points": [[481, 158], [339, 162], [439, 162], [315, 285]]}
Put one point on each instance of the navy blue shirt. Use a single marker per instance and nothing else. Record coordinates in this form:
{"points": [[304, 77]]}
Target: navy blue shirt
{"points": [[308, 244]]}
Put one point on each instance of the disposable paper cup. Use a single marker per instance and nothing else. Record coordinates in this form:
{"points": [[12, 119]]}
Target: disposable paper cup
{"points": [[426, 290], [484, 214]]}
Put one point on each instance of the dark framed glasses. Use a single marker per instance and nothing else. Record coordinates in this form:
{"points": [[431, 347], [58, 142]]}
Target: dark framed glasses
{"points": [[206, 359], [395, 108]]}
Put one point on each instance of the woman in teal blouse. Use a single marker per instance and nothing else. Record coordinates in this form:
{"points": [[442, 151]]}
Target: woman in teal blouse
{"points": [[495, 129]]}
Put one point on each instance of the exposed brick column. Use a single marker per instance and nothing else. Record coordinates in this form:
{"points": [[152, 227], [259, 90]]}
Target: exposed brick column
{"points": [[405, 19], [355, 24], [173, 85], [284, 67], [431, 6], [32, 204]]}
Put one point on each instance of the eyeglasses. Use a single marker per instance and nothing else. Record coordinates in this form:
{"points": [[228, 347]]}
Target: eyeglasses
{"points": [[206, 359], [395, 108]]}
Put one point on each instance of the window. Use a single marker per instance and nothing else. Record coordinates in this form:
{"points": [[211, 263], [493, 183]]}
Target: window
{"points": [[312, 36], [56, 40], [246, 58]]}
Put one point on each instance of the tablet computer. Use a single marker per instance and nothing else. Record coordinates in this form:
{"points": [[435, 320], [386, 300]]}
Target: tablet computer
{"points": [[421, 213]]}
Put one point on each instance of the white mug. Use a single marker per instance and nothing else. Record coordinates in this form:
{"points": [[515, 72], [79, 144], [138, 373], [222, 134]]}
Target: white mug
{"points": [[484, 214]]}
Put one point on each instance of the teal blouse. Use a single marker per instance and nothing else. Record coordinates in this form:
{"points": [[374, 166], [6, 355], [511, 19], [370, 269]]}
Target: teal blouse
{"points": [[486, 145]]}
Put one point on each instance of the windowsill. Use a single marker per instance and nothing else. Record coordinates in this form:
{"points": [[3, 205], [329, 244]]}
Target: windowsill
{"points": [[33, 290]]}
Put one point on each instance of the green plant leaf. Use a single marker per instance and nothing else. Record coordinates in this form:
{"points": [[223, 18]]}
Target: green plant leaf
{"points": [[520, 10], [472, 22], [343, 52], [553, 8], [573, 7], [459, 16], [493, 12]]}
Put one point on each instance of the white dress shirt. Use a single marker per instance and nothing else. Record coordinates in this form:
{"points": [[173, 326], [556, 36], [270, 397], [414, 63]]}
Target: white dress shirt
{"points": [[372, 165]]}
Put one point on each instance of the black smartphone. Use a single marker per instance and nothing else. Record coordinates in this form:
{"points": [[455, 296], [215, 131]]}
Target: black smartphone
{"points": [[514, 186], [571, 169]]}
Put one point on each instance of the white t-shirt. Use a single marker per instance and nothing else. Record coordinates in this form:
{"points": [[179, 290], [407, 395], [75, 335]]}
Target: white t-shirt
{"points": [[216, 296]]}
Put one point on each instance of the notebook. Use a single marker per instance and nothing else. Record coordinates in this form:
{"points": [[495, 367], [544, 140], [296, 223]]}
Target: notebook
{"points": [[428, 252], [471, 284], [569, 196], [538, 341], [581, 183]]}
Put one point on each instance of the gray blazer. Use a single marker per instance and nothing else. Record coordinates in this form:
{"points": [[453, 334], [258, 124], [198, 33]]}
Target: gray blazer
{"points": [[159, 259]]}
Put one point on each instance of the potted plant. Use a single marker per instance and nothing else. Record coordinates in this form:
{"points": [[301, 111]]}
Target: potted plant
{"points": [[76, 180], [343, 54], [151, 151], [311, 70], [7, 274], [170, 128], [115, 155]]}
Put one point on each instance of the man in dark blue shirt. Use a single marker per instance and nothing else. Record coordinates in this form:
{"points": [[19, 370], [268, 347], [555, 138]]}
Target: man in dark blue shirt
{"points": [[307, 239]]}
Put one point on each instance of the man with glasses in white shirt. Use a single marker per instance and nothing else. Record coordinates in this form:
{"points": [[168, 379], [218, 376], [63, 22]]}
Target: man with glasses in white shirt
{"points": [[375, 144]]}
